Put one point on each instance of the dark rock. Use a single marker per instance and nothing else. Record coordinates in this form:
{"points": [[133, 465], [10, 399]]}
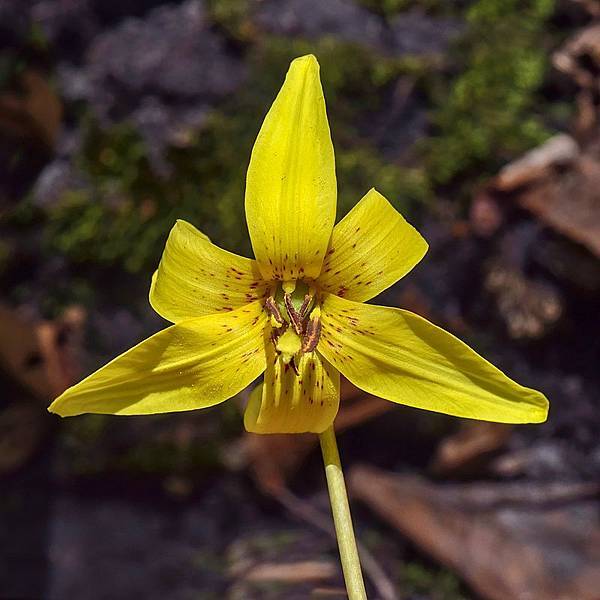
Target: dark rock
{"points": [[419, 34], [122, 543], [162, 72], [60, 175], [313, 19], [14, 22], [413, 32], [67, 24]]}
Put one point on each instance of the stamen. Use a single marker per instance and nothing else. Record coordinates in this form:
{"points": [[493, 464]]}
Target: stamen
{"points": [[313, 332], [295, 316], [271, 307], [305, 305], [296, 329]]}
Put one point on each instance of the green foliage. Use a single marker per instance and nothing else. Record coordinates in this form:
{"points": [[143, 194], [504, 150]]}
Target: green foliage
{"points": [[491, 112], [386, 7], [232, 16], [124, 215], [360, 169], [487, 114], [437, 584]]}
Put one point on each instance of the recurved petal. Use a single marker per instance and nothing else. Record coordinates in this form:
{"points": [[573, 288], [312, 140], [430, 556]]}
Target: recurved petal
{"points": [[194, 364], [401, 357], [196, 278], [371, 248], [291, 185], [290, 403]]}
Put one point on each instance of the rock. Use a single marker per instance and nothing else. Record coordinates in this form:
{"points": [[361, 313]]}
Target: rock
{"points": [[56, 178], [68, 25], [412, 32], [418, 34], [313, 19], [163, 72]]}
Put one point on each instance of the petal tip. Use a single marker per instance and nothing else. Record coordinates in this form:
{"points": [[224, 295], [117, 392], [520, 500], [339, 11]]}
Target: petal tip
{"points": [[541, 415], [53, 408], [305, 66], [307, 60]]}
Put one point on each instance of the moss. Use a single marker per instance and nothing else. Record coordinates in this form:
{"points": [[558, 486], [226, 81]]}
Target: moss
{"points": [[360, 169], [233, 16], [492, 110], [124, 215], [437, 584]]}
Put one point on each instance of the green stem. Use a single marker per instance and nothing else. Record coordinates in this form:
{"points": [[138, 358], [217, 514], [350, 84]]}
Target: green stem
{"points": [[341, 516]]}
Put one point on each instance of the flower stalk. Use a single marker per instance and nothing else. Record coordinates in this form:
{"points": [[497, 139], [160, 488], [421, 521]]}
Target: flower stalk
{"points": [[341, 516]]}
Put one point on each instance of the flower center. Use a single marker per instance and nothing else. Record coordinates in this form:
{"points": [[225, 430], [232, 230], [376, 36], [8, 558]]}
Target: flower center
{"points": [[295, 320]]}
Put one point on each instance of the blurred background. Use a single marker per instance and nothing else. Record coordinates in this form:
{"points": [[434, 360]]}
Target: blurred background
{"points": [[478, 119]]}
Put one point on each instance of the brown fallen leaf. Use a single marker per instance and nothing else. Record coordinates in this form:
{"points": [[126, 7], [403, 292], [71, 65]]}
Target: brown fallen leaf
{"points": [[38, 360], [35, 113], [40, 355], [558, 151], [579, 57], [473, 442], [322, 592], [523, 541], [569, 202], [293, 572]]}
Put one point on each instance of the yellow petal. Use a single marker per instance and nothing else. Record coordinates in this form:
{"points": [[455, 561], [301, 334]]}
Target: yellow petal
{"points": [[370, 249], [196, 278], [401, 357], [194, 364], [290, 403], [291, 186]]}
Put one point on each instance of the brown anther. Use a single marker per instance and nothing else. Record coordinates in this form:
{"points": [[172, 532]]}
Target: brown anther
{"points": [[295, 316], [273, 310], [305, 304], [312, 335]]}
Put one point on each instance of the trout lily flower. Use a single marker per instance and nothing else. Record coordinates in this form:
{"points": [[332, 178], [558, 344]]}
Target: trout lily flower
{"points": [[297, 313]]}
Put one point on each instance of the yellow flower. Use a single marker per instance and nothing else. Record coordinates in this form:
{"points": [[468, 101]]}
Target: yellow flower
{"points": [[296, 313]]}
